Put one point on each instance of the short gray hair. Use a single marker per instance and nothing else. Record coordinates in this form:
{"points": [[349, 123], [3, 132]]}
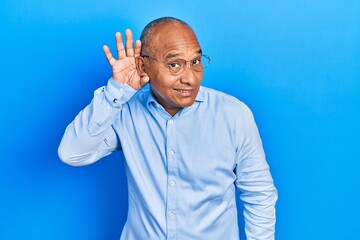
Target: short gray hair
{"points": [[147, 32]]}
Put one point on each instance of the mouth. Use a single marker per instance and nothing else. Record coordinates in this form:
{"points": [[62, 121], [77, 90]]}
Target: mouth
{"points": [[184, 92]]}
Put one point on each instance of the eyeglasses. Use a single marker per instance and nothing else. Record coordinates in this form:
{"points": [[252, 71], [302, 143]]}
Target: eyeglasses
{"points": [[178, 66]]}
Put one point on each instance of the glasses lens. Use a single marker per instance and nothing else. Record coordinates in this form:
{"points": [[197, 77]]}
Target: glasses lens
{"points": [[200, 64], [176, 67], [205, 60]]}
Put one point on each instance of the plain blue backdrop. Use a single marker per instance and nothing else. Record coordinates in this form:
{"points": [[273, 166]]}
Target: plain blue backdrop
{"points": [[296, 64]]}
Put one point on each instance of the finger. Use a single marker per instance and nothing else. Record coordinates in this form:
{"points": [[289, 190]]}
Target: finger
{"points": [[137, 48], [129, 43], [120, 46], [109, 56]]}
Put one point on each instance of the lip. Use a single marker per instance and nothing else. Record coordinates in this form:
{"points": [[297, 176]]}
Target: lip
{"points": [[184, 92]]}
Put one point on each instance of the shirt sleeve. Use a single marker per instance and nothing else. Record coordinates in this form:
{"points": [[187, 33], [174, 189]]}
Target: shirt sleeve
{"points": [[257, 190], [91, 136]]}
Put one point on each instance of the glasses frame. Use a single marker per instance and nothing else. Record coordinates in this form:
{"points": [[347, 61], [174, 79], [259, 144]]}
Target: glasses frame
{"points": [[184, 67]]}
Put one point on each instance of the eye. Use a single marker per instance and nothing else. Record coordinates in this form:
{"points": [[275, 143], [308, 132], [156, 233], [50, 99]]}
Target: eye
{"points": [[196, 61], [174, 64]]}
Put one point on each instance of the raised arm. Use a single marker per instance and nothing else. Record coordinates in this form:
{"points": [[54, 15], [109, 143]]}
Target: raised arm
{"points": [[91, 135]]}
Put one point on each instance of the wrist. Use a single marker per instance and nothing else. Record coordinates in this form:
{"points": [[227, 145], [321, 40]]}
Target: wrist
{"points": [[118, 93]]}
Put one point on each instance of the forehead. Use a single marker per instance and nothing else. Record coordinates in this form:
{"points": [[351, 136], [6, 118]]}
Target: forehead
{"points": [[174, 39]]}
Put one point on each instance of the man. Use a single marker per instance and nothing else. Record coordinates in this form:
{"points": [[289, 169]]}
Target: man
{"points": [[186, 147]]}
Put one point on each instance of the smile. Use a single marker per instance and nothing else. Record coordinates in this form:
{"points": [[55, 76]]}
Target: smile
{"points": [[184, 92]]}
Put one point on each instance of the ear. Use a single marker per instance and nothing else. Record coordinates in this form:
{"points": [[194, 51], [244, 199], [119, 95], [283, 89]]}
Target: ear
{"points": [[140, 66]]}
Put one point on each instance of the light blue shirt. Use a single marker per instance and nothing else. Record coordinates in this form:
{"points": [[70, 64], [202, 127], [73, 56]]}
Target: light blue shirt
{"points": [[182, 170]]}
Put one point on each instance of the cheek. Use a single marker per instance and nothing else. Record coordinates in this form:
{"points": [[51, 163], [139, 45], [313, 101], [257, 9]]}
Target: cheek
{"points": [[163, 86], [200, 76], [165, 83]]}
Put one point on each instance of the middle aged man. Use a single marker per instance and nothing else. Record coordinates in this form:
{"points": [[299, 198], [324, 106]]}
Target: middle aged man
{"points": [[186, 147]]}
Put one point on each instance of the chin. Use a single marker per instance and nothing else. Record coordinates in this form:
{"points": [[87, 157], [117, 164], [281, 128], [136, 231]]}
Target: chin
{"points": [[186, 103]]}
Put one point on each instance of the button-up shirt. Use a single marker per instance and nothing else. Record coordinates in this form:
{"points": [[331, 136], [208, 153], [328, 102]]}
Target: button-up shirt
{"points": [[182, 170]]}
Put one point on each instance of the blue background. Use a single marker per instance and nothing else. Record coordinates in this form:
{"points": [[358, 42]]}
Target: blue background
{"points": [[296, 64]]}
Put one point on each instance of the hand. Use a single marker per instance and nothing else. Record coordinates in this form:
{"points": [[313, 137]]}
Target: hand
{"points": [[124, 68]]}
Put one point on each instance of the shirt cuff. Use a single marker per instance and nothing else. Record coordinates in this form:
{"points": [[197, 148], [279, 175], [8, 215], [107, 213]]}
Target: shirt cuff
{"points": [[118, 93]]}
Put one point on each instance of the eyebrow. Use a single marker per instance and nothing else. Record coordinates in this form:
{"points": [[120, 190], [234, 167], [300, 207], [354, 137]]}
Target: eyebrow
{"points": [[174, 55]]}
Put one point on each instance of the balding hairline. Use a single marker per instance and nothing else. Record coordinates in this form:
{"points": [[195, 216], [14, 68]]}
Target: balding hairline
{"points": [[148, 31]]}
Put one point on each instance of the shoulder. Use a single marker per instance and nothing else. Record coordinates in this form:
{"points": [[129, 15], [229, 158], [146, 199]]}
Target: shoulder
{"points": [[222, 101], [228, 111], [141, 97]]}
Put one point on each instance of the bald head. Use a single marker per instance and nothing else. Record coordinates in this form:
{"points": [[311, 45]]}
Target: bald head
{"points": [[149, 30]]}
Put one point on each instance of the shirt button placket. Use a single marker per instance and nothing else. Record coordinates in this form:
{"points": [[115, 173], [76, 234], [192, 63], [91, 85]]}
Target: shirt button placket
{"points": [[172, 175]]}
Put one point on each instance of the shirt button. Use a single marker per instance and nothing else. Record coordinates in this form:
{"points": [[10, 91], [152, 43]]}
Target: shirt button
{"points": [[171, 121], [108, 107], [171, 153], [172, 183], [171, 214], [121, 90]]}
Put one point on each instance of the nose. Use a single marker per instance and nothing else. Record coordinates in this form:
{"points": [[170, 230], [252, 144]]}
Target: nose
{"points": [[189, 76]]}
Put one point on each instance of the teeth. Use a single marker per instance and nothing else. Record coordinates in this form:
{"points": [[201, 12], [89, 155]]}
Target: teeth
{"points": [[183, 91]]}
